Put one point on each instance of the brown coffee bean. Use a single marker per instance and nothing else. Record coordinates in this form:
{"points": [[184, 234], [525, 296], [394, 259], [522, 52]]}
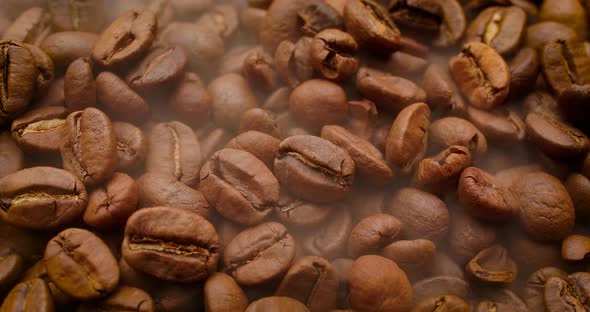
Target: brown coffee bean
{"points": [[32, 26], [126, 39], [222, 19], [368, 22], [259, 254], [319, 16], [110, 205], [422, 214], [11, 267], [33, 295], [443, 303], [554, 137], [239, 186], [534, 288], [503, 299], [440, 90], [18, 81], [372, 234], [281, 23], [293, 62], [45, 68], [482, 75], [173, 297], [160, 66], [524, 70], [492, 265], [231, 96], [71, 255], [333, 54], [261, 145], [390, 93], [578, 186], [440, 173], [212, 140], [77, 15], [575, 247], [415, 257], [502, 28], [223, 294], [487, 306], [11, 156], [260, 120], [541, 102], [408, 137], [278, 101], [568, 12], [190, 8], [190, 101], [330, 238], [468, 236], [277, 304], [174, 150], [501, 125], [404, 64], [88, 146], [252, 18], [131, 146], [314, 169], [301, 213], [546, 209], [41, 198], [305, 104], [259, 70], [564, 294], [122, 102], [450, 131], [65, 47], [171, 244], [362, 117], [531, 255], [123, 298], [40, 129], [537, 35], [376, 281], [79, 85], [440, 286]]}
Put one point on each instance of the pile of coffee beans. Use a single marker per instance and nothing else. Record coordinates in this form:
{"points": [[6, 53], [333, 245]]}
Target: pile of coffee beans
{"points": [[295, 155]]}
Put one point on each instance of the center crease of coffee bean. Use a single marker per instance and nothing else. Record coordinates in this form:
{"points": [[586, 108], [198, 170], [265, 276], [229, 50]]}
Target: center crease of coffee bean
{"points": [[77, 148], [493, 27], [568, 62], [328, 173], [278, 239], [5, 63], [122, 43], [320, 271], [42, 126], [124, 147], [155, 244], [176, 153], [481, 74]]}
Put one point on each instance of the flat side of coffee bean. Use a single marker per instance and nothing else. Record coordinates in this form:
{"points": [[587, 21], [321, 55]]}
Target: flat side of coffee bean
{"points": [[40, 129], [222, 293], [372, 234], [281, 23], [120, 100], [64, 47], [502, 125]]}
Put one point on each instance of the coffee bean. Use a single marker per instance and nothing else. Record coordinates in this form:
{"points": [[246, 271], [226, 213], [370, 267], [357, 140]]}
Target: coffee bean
{"points": [[276, 304], [319, 16], [32, 26], [331, 238], [439, 286], [404, 64], [450, 131], [293, 62], [372, 234], [482, 75], [222, 293], [124, 298], [370, 25], [441, 91], [73, 253], [534, 289], [314, 169], [501, 125], [441, 173], [372, 273], [88, 146], [259, 70], [119, 99], [444, 302], [131, 146], [77, 15], [300, 213], [174, 150], [531, 255], [190, 101], [41, 129], [304, 104], [260, 120], [575, 247], [190, 8], [221, 19], [171, 244], [41, 198], [79, 85], [126, 39], [65, 47], [18, 81], [541, 102], [259, 254], [537, 35], [444, 265], [259, 144], [578, 186], [11, 156], [554, 137], [524, 69], [332, 53], [110, 205], [213, 140], [160, 66], [281, 23], [26, 295], [231, 96], [415, 257], [468, 236], [502, 28], [11, 264], [563, 294], [568, 12], [362, 117], [492, 265]]}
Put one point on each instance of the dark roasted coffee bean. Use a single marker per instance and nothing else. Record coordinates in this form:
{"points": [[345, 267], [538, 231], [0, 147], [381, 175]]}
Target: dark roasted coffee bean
{"points": [[468, 236], [41, 198], [575, 247], [277, 304], [65, 47], [45, 68], [541, 102], [450, 131], [131, 146], [492, 265], [524, 69], [534, 288], [171, 244], [29, 296], [442, 303], [440, 285], [390, 93], [567, 12], [111, 205], [333, 54], [17, 82], [11, 156], [190, 100], [500, 27], [368, 22], [376, 281], [567, 294], [174, 150], [501, 125], [330, 238], [554, 137], [408, 137], [259, 70], [318, 16], [481, 74], [126, 39], [11, 267], [314, 169], [231, 97], [281, 23], [32, 26], [89, 146], [372, 234], [71, 255], [537, 35], [415, 257], [79, 85], [160, 66], [122, 102], [305, 104], [77, 15], [301, 213], [440, 173], [239, 186], [578, 186], [441, 91], [261, 145], [123, 298], [40, 129], [223, 294], [259, 254]]}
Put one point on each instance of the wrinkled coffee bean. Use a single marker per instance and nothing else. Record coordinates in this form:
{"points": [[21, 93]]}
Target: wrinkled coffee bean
{"points": [[450, 131], [222, 293], [40, 129], [441, 173], [110, 206], [79, 85], [534, 289], [493, 265], [372, 234], [439, 286], [119, 99], [333, 54], [18, 80], [566, 294], [368, 22], [554, 137], [131, 146], [33, 295], [293, 62], [502, 28]]}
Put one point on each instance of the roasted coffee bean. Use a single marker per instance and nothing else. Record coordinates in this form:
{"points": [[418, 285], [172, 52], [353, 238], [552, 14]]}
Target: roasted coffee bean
{"points": [[252, 18], [531, 255], [79, 85], [440, 173], [440, 90], [318, 16], [11, 156], [221, 19], [554, 137], [422, 214], [259, 70], [330, 238], [231, 97], [118, 98], [278, 101], [174, 150], [502, 28], [575, 247], [442, 303], [45, 68], [444, 265], [71, 255], [362, 117], [182, 297], [259, 254], [450, 131], [333, 54], [440, 286], [11, 267], [77, 15], [481, 74], [123, 298], [223, 294], [415, 257], [212, 140], [171, 244], [314, 169], [404, 64], [39, 270], [501, 125], [41, 198], [487, 306], [33, 295], [537, 35], [316, 103], [541, 102], [372, 234], [261, 145], [260, 120], [32, 26], [65, 47], [277, 304], [281, 23], [408, 137], [376, 281], [109, 206], [468, 236], [188, 8], [524, 69], [239, 186], [88, 146], [18, 80], [313, 281], [160, 66], [534, 288], [567, 12], [368, 160], [368, 22], [502, 298], [131, 146], [126, 39], [190, 100], [301, 213], [293, 61], [578, 186], [390, 93], [40, 129], [492, 265], [566, 294]]}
